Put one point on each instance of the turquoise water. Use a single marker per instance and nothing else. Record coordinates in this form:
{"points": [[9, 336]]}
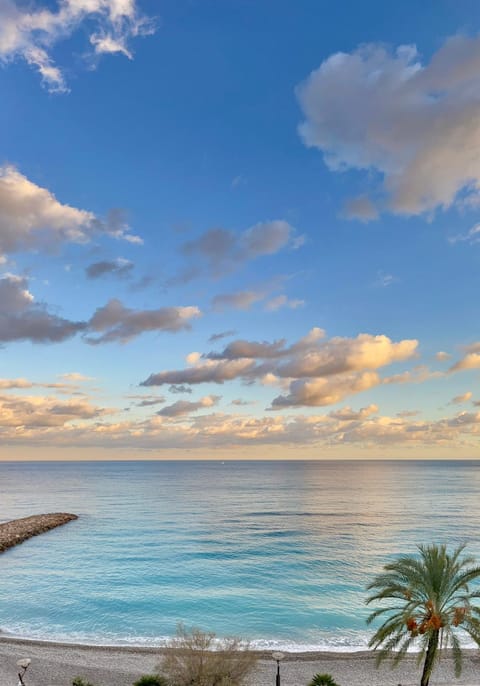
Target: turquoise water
{"points": [[276, 552]]}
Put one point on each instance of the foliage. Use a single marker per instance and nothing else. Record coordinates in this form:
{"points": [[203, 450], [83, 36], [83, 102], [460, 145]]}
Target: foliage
{"points": [[195, 658], [78, 681], [151, 680], [428, 597], [323, 680]]}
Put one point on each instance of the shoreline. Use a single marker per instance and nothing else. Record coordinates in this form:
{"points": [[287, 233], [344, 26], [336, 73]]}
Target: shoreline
{"points": [[56, 664], [261, 653]]}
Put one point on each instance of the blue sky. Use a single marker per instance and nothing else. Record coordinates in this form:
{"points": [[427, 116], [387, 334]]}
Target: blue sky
{"points": [[304, 176]]}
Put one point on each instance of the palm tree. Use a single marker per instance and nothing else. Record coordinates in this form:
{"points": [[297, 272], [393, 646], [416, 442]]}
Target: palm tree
{"points": [[428, 598]]}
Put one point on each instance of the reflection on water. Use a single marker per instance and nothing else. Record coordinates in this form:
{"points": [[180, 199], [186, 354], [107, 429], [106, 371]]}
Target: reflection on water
{"points": [[269, 550]]}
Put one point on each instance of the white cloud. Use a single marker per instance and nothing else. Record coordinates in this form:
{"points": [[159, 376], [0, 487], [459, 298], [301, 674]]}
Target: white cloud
{"points": [[417, 125], [471, 237], [31, 217], [280, 301], [31, 31], [384, 280]]}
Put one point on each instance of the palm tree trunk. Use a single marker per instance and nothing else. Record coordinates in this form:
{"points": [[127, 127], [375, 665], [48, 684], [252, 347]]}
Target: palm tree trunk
{"points": [[430, 658]]}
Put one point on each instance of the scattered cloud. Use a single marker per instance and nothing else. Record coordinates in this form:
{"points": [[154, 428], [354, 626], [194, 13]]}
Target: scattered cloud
{"points": [[221, 251], [316, 371], [384, 280], [280, 301], [324, 391], [119, 267], [471, 237], [115, 322], [222, 334], [76, 376], [179, 389], [242, 300], [31, 32], [418, 374], [149, 402], [37, 412], [442, 356], [348, 415], [460, 399], [361, 208], [471, 359], [31, 218], [31, 421], [22, 319], [240, 402], [413, 123], [184, 407]]}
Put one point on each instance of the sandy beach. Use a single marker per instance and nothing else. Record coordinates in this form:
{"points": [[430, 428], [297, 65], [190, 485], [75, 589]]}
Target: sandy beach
{"points": [[56, 664]]}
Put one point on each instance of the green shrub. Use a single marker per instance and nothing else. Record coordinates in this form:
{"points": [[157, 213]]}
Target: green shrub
{"points": [[323, 680], [151, 680], [78, 681]]}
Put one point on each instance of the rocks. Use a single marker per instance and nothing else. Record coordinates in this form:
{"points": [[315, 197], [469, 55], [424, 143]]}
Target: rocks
{"points": [[19, 530]]}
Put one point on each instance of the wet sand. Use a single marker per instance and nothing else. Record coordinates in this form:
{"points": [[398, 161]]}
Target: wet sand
{"points": [[56, 664]]}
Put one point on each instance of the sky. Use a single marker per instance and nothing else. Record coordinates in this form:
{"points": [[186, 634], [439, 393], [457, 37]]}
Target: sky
{"points": [[239, 229]]}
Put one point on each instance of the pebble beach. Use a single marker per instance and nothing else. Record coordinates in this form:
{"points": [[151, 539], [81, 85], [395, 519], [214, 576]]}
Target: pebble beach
{"points": [[56, 664]]}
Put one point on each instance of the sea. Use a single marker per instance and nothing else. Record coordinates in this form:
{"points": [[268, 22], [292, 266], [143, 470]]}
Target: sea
{"points": [[277, 553]]}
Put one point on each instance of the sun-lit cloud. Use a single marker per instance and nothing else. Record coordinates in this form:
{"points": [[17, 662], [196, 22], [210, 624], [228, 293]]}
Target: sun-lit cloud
{"points": [[442, 356], [347, 414], [460, 399], [116, 322], [39, 421], [326, 391], [76, 376], [184, 407], [416, 124], [314, 371], [471, 359], [37, 412], [31, 218], [32, 30]]}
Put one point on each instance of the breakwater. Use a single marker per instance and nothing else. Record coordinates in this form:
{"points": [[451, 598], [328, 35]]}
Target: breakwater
{"points": [[18, 530]]}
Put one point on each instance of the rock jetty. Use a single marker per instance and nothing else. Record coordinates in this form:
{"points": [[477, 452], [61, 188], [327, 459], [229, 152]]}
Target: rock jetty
{"points": [[19, 530]]}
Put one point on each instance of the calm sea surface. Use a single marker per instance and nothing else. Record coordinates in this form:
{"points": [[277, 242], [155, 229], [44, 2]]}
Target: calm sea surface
{"points": [[276, 552]]}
